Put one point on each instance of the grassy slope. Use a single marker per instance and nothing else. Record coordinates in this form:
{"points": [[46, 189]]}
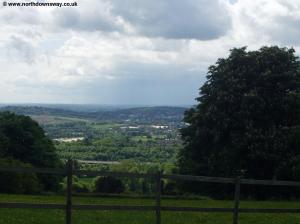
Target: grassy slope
{"points": [[29, 216], [56, 120]]}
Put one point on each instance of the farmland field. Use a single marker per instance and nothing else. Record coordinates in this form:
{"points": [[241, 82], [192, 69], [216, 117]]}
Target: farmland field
{"points": [[40, 216], [146, 134]]}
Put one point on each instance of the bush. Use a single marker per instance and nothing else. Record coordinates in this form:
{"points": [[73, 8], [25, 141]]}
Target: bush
{"points": [[18, 183], [170, 188], [80, 187], [77, 187], [109, 185]]}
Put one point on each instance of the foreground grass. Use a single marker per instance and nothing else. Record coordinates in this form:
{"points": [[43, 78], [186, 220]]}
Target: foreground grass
{"points": [[40, 216]]}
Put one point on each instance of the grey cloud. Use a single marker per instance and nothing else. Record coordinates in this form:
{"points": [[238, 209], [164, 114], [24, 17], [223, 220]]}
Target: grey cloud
{"points": [[170, 19], [287, 30], [21, 49], [17, 16], [175, 19], [138, 83], [91, 19], [142, 83]]}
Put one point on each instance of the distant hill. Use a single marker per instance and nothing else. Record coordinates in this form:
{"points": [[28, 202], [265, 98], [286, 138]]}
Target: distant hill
{"points": [[140, 114], [144, 114], [74, 107], [36, 110]]}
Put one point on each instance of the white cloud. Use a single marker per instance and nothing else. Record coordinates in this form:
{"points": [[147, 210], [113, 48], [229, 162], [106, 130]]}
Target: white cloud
{"points": [[267, 22], [131, 51]]}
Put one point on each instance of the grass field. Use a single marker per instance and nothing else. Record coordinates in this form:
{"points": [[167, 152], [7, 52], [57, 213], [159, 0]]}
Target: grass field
{"points": [[104, 126], [56, 120], [40, 216]]}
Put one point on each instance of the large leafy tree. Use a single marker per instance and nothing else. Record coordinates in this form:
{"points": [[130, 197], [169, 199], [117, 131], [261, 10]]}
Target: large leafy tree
{"points": [[247, 120], [22, 139]]}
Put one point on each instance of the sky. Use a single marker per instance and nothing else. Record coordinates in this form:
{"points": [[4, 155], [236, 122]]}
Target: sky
{"points": [[143, 52]]}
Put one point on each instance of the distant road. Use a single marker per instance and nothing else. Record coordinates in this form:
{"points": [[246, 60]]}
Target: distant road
{"points": [[98, 162]]}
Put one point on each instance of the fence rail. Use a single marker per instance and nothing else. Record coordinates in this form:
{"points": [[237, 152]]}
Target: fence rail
{"points": [[69, 171]]}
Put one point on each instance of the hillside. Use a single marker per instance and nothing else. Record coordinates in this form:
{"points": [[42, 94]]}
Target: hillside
{"points": [[141, 114]]}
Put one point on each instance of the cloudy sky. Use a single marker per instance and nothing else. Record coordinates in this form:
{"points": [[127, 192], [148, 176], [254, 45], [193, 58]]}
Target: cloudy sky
{"points": [[146, 52]]}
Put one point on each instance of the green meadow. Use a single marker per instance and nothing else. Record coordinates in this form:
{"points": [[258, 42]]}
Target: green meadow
{"points": [[43, 216]]}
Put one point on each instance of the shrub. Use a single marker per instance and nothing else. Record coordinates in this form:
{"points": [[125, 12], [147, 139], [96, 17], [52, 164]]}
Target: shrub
{"points": [[109, 185], [18, 183], [79, 187]]}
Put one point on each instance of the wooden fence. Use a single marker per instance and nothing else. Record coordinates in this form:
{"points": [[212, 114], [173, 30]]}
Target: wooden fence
{"points": [[69, 206]]}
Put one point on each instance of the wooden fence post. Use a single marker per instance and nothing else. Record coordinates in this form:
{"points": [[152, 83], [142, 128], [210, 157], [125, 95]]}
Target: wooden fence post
{"points": [[158, 198], [236, 200], [70, 167]]}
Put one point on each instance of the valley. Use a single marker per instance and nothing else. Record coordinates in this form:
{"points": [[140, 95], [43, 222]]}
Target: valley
{"points": [[142, 134]]}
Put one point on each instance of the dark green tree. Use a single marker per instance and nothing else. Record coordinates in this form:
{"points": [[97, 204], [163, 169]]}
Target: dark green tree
{"points": [[24, 140], [247, 119]]}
